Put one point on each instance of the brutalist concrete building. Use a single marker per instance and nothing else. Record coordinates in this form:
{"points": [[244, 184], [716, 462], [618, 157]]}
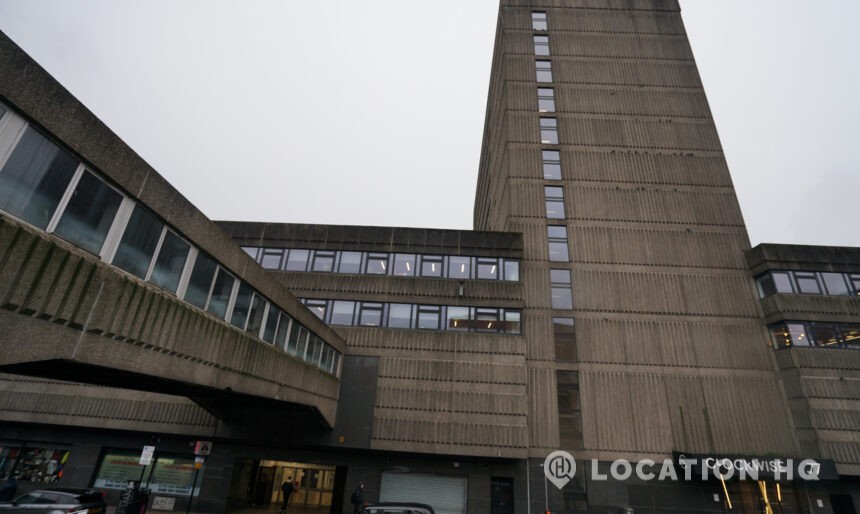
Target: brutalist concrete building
{"points": [[607, 304]]}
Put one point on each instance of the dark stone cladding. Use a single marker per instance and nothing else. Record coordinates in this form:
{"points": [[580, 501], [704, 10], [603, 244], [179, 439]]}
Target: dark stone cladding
{"points": [[375, 239], [767, 256], [35, 94]]}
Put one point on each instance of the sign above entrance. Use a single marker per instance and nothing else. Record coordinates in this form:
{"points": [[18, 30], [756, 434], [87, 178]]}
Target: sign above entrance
{"points": [[704, 467]]}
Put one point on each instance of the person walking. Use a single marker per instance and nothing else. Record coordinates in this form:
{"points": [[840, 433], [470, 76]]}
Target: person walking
{"points": [[357, 499], [287, 489]]}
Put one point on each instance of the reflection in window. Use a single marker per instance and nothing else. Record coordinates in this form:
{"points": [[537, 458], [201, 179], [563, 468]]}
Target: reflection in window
{"points": [[459, 267], [350, 262], [551, 164], [170, 262], [488, 268], [34, 179], [221, 291], [377, 264], [370, 314], [824, 334], [89, 214], [543, 71], [487, 320], [538, 20], [541, 45], [428, 317], [431, 266], [554, 201], [200, 281], [297, 260], [400, 315], [271, 258], [835, 284], [512, 271], [549, 131], [317, 307], [457, 318], [807, 283], [404, 264], [241, 306], [255, 315], [323, 261], [342, 312], [546, 99], [138, 242], [784, 335]]}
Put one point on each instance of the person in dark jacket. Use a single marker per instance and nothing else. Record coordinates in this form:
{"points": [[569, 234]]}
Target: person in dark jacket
{"points": [[8, 490], [287, 488], [357, 498]]}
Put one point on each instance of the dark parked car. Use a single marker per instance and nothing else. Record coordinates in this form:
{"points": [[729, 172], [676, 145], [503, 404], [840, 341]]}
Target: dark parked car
{"points": [[397, 508], [56, 500]]}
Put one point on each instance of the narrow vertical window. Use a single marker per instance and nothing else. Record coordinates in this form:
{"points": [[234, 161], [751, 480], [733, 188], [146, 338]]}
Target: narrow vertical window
{"points": [[138, 243], [560, 287], [170, 262], [546, 99], [557, 238], [541, 44], [539, 20], [221, 291], [201, 280], [549, 131], [543, 71], [551, 164], [554, 199]]}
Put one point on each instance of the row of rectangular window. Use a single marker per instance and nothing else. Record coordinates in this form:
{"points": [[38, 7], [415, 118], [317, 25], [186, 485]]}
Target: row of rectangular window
{"points": [[808, 282], [45, 186], [416, 316], [377, 263], [815, 334]]}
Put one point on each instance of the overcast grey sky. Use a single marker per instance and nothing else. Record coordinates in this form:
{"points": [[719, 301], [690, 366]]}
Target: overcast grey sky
{"points": [[371, 112]]}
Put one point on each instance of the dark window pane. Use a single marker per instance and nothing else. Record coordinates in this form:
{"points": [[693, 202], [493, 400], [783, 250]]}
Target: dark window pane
{"points": [[835, 283], [459, 267], [242, 305], [457, 318], [558, 252], [323, 261], [807, 283], [400, 315], [342, 312], [431, 266], [851, 334], [170, 262], [283, 331], [34, 179], [221, 292], [302, 342], [377, 264], [488, 269], [564, 335], [297, 260], [487, 320], [404, 264], [350, 262], [200, 281], [89, 214], [271, 258], [138, 242], [824, 334], [512, 271], [255, 316], [298, 335], [271, 324], [765, 285], [784, 335]]}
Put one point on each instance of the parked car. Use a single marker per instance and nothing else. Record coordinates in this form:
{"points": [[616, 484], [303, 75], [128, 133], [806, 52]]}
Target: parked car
{"points": [[57, 500], [397, 508]]}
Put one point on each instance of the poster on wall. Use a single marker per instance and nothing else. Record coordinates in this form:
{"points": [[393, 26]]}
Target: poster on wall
{"points": [[172, 475]]}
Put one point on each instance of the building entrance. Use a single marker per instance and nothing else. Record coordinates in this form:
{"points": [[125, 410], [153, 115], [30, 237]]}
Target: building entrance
{"points": [[763, 497], [313, 484]]}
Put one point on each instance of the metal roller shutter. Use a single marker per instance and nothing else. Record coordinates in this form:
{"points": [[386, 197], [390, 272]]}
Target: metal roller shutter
{"points": [[446, 494]]}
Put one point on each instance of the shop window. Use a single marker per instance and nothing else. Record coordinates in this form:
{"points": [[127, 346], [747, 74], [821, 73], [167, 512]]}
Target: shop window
{"points": [[539, 20], [34, 463], [551, 164], [34, 178], [431, 266], [197, 291], [549, 131], [170, 262], [541, 45], [138, 243], [543, 71], [89, 213], [350, 262], [404, 264]]}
